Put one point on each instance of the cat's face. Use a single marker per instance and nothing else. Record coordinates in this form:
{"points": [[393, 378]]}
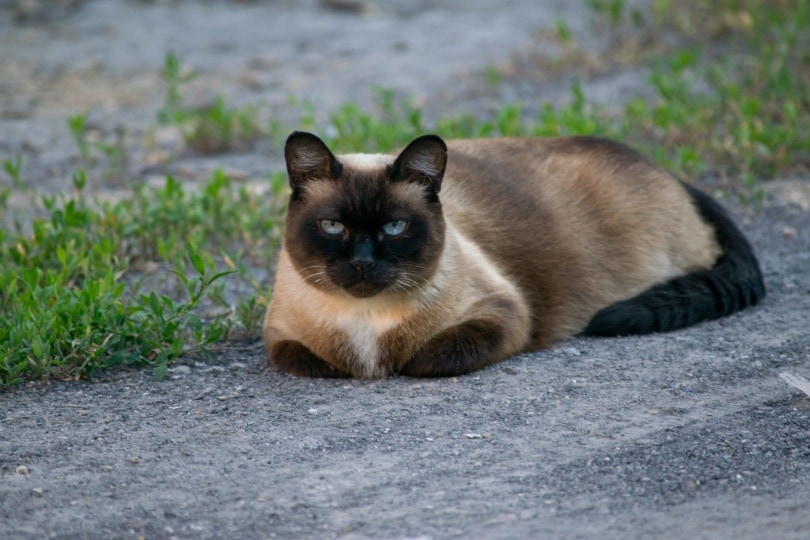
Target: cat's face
{"points": [[364, 224]]}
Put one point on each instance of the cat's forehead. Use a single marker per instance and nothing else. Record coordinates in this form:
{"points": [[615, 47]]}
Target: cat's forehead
{"points": [[366, 162], [361, 193], [363, 186]]}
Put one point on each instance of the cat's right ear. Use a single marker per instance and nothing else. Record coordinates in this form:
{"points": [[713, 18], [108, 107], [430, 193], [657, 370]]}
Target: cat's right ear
{"points": [[308, 159]]}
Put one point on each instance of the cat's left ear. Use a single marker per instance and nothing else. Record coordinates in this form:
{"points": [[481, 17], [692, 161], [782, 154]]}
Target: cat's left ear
{"points": [[423, 161], [308, 158]]}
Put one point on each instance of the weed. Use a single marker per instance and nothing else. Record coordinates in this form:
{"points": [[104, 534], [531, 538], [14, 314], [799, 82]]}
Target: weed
{"points": [[173, 111], [115, 152], [613, 10], [211, 129], [250, 313], [493, 75], [729, 98], [77, 125], [116, 155], [13, 168], [562, 31], [219, 128], [63, 311], [69, 305]]}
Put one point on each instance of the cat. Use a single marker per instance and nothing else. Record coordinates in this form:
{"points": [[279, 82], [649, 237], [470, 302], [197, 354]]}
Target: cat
{"points": [[448, 257]]}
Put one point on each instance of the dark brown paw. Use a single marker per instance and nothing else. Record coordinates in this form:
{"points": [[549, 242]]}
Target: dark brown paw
{"points": [[458, 350], [294, 358]]}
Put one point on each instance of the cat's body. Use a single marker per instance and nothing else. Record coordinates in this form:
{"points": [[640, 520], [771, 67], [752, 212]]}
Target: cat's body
{"points": [[433, 263]]}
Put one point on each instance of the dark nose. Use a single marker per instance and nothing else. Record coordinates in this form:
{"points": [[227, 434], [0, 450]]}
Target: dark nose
{"points": [[363, 256], [362, 264]]}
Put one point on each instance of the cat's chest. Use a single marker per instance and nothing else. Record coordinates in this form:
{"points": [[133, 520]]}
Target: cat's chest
{"points": [[364, 338], [362, 328]]}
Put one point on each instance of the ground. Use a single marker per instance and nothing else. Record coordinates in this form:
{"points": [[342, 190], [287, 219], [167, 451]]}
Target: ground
{"points": [[688, 434]]}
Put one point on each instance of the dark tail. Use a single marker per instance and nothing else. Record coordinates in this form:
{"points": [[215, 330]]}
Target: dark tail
{"points": [[733, 283]]}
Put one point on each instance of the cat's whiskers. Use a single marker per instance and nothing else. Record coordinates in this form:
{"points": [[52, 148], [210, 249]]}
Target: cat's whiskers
{"points": [[406, 282], [303, 270], [310, 278]]}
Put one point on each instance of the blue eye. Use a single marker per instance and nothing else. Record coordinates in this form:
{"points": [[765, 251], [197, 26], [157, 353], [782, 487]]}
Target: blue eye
{"points": [[393, 228], [330, 226]]}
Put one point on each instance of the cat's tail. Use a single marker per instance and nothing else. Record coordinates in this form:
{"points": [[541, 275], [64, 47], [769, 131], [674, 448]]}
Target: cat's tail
{"points": [[733, 283]]}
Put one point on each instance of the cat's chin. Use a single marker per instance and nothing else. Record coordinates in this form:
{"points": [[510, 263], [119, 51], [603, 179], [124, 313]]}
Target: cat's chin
{"points": [[365, 290]]}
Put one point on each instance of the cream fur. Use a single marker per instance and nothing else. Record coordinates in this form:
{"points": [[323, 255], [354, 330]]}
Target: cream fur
{"points": [[465, 276], [574, 231]]}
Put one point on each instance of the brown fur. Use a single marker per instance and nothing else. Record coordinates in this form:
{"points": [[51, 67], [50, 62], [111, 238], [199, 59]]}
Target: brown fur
{"points": [[531, 238]]}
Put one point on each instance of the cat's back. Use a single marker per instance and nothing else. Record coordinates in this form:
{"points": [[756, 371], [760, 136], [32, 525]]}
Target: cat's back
{"points": [[582, 184], [595, 218], [548, 168]]}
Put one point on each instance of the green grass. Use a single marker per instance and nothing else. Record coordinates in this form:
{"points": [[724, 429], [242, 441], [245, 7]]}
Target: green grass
{"points": [[211, 129], [87, 285], [72, 301]]}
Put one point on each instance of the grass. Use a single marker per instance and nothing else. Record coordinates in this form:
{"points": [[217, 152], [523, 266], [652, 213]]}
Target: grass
{"points": [[72, 302], [87, 285], [211, 129]]}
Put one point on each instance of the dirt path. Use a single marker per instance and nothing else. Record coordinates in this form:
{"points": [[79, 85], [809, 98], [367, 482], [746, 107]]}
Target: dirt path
{"points": [[689, 434]]}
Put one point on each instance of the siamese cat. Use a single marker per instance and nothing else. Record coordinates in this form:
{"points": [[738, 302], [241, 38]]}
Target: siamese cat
{"points": [[448, 257]]}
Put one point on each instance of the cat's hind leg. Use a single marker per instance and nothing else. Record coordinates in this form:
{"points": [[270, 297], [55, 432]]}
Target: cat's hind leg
{"points": [[733, 283]]}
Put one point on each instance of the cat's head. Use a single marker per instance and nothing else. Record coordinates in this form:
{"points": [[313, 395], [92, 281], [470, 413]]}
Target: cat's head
{"points": [[365, 223]]}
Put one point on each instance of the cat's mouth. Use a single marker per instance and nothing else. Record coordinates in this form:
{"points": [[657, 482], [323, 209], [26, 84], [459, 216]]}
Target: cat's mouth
{"points": [[365, 289], [362, 284]]}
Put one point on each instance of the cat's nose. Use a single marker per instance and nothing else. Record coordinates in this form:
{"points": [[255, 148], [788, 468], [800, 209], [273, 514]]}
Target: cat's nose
{"points": [[363, 256], [362, 263]]}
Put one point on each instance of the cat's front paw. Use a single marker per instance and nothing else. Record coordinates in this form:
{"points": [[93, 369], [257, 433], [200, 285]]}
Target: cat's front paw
{"points": [[457, 350], [294, 358]]}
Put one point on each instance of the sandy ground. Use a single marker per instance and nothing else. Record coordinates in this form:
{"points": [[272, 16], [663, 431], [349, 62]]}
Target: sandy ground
{"points": [[689, 434]]}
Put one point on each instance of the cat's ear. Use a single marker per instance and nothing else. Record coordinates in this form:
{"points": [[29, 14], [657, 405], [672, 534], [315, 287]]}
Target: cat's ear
{"points": [[422, 161], [308, 158]]}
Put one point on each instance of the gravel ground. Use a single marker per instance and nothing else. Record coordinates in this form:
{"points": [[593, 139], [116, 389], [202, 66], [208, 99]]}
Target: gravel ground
{"points": [[689, 434]]}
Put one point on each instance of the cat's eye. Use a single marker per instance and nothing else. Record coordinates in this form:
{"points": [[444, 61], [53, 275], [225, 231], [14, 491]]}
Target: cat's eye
{"points": [[393, 228], [330, 226]]}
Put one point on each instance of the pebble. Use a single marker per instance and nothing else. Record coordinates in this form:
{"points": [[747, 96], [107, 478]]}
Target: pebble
{"points": [[19, 108], [345, 6], [37, 491], [168, 136], [180, 370], [22, 469]]}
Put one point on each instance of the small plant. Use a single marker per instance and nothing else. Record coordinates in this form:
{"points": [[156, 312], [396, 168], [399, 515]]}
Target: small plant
{"points": [[493, 75], [71, 302], [115, 153], [250, 313], [562, 32], [173, 110], [220, 128], [613, 10], [13, 167], [210, 129], [77, 125]]}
